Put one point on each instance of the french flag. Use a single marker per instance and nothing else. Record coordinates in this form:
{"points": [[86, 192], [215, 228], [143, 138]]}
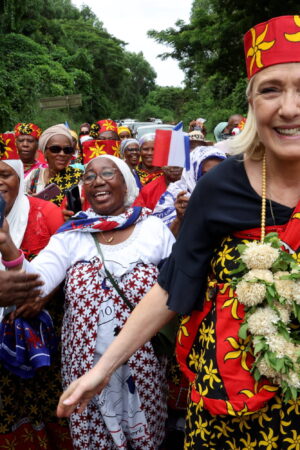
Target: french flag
{"points": [[172, 148]]}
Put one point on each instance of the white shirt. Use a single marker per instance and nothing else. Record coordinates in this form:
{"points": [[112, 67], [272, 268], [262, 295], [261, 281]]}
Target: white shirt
{"points": [[150, 242]]}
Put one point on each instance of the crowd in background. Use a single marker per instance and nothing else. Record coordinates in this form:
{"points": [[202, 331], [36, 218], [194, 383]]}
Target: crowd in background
{"points": [[39, 170]]}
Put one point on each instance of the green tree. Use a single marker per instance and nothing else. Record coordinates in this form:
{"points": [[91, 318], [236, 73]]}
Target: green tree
{"points": [[54, 49], [210, 51]]}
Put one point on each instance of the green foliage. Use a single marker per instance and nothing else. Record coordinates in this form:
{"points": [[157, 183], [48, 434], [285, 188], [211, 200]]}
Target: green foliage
{"points": [[53, 48], [210, 51]]}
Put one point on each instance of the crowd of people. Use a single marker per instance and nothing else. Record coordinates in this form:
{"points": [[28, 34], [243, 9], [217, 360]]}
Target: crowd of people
{"points": [[92, 301]]}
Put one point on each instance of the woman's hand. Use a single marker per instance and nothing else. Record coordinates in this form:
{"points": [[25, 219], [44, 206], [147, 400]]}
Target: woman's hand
{"points": [[4, 232], [67, 213], [17, 287], [180, 204], [29, 309], [81, 391]]}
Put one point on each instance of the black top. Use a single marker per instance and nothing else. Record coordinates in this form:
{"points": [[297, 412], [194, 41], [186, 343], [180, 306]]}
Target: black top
{"points": [[223, 202]]}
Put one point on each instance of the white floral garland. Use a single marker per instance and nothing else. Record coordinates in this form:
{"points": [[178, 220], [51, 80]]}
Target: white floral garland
{"points": [[270, 292]]}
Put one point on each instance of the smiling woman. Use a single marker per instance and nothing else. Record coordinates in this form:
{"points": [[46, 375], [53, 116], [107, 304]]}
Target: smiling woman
{"points": [[32, 221], [127, 242], [57, 144], [238, 397]]}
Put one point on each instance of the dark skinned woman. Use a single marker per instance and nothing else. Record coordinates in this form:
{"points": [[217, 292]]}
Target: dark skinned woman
{"points": [[57, 144], [27, 140], [131, 412]]}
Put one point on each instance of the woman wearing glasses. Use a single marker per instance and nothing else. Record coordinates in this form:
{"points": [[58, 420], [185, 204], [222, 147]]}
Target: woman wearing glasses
{"points": [[114, 237], [130, 152], [57, 144]]}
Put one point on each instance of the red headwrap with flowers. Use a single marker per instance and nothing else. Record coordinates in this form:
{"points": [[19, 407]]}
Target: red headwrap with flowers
{"points": [[29, 129], [276, 41], [8, 149], [101, 126], [96, 147]]}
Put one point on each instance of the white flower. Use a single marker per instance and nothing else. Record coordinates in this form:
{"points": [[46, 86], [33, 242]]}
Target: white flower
{"points": [[284, 288], [260, 274], [279, 345], [262, 322], [296, 292], [292, 379], [266, 370], [259, 256], [250, 294], [284, 311]]}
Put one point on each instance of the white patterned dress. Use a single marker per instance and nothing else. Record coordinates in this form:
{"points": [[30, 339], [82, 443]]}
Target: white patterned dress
{"points": [[132, 407]]}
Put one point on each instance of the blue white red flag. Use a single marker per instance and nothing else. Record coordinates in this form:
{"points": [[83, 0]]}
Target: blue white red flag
{"points": [[172, 148]]}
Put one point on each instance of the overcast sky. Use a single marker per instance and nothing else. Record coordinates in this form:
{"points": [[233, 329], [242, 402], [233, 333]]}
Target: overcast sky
{"points": [[131, 19]]}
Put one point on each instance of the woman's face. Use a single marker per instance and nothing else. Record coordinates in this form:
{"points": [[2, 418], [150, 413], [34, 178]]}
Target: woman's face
{"points": [[27, 146], [275, 100], [84, 131], [58, 161], [9, 185], [147, 150], [172, 173], [132, 155], [124, 135], [106, 197], [109, 136]]}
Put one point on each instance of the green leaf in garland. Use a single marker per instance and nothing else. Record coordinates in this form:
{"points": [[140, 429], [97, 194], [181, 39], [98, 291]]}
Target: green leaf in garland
{"points": [[256, 374], [241, 268], [273, 239], [243, 331], [294, 393], [260, 346], [282, 329], [241, 248]]}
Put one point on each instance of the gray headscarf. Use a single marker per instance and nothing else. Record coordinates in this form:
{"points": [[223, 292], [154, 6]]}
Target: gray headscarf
{"points": [[125, 143], [54, 131], [132, 189], [146, 138]]}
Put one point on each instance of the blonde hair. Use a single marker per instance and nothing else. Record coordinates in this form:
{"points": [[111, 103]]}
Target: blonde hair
{"points": [[247, 141]]}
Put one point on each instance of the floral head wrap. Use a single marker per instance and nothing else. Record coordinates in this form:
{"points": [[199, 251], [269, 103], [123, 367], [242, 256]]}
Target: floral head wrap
{"points": [[29, 129], [101, 126], [273, 42], [8, 149]]}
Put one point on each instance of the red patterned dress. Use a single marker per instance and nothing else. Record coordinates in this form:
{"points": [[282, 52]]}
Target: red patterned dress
{"points": [[132, 408], [227, 408], [27, 415]]}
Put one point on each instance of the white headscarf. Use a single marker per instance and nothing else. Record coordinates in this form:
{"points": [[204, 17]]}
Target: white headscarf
{"points": [[18, 215], [165, 208], [132, 189]]}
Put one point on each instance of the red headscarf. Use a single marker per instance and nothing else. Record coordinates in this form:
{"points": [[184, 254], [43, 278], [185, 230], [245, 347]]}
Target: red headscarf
{"points": [[276, 41], [29, 129]]}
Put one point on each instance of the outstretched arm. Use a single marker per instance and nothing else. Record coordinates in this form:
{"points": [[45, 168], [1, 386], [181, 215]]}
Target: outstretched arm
{"points": [[144, 322]]}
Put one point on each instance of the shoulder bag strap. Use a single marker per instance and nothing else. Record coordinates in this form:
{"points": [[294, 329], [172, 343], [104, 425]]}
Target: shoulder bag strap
{"points": [[110, 277]]}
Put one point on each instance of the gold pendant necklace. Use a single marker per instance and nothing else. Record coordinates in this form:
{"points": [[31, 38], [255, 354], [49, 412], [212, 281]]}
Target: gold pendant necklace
{"points": [[109, 240]]}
